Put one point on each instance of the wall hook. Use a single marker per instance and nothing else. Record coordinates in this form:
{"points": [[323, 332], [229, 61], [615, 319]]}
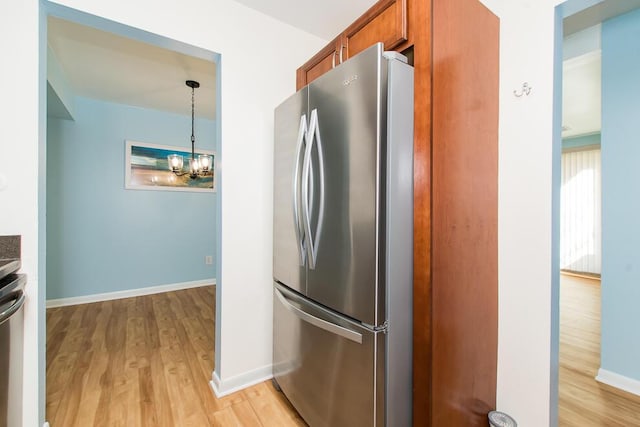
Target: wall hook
{"points": [[526, 90]]}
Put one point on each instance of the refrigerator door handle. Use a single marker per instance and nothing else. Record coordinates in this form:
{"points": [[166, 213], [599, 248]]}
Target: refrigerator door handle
{"points": [[301, 245], [320, 323], [313, 139]]}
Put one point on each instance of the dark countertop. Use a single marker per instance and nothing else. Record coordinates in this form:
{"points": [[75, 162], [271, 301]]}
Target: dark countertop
{"points": [[9, 247]]}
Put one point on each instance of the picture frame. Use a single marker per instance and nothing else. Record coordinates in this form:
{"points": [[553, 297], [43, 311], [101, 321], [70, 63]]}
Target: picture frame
{"points": [[147, 168]]}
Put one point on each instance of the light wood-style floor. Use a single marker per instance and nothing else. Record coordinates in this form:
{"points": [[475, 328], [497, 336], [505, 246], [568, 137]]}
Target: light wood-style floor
{"points": [[585, 402], [147, 361]]}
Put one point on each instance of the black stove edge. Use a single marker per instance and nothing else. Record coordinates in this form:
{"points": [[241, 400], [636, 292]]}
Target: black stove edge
{"points": [[9, 266], [11, 286]]}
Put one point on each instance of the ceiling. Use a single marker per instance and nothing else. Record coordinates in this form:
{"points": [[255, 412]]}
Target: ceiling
{"points": [[599, 12], [105, 66], [109, 67], [581, 95], [325, 19]]}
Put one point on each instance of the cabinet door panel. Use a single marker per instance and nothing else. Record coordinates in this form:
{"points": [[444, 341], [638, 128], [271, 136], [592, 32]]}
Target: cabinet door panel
{"points": [[321, 67], [321, 62], [385, 22]]}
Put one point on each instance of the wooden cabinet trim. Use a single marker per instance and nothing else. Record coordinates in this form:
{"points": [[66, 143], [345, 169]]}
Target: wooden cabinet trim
{"points": [[374, 12], [420, 22]]}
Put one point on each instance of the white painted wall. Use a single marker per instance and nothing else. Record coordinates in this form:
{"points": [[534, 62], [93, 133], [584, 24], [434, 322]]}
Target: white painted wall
{"points": [[19, 136], [527, 254], [259, 58]]}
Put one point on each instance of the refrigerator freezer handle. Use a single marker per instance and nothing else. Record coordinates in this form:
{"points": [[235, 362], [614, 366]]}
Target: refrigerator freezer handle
{"points": [[320, 323], [300, 241]]}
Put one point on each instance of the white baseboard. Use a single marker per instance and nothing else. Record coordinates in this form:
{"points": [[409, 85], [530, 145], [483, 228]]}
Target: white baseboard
{"points": [[618, 381], [231, 385], [46, 424], [86, 299]]}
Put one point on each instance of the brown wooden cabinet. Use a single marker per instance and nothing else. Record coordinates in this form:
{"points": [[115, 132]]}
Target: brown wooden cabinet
{"points": [[319, 64], [454, 46], [385, 21]]}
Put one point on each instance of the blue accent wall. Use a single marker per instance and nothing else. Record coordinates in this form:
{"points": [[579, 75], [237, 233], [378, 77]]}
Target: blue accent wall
{"points": [[103, 238], [620, 348]]}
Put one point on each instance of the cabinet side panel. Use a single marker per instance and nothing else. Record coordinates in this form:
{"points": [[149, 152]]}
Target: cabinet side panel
{"points": [[464, 213], [420, 22]]}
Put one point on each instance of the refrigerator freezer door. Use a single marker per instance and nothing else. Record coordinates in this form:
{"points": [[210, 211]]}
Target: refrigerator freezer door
{"points": [[289, 243], [350, 104], [325, 364]]}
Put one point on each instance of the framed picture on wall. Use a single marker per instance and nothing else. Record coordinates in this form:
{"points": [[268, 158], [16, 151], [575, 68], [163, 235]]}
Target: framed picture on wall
{"points": [[147, 168]]}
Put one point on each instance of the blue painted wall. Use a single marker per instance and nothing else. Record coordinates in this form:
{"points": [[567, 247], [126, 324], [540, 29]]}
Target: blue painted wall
{"points": [[103, 238], [621, 195]]}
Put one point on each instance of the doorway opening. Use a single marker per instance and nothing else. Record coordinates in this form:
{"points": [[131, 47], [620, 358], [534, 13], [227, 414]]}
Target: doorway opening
{"points": [[597, 386], [107, 84]]}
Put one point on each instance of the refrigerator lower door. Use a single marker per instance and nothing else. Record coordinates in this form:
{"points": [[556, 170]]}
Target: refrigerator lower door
{"points": [[330, 368]]}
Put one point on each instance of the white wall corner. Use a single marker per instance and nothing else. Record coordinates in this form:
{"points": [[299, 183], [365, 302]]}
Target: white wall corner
{"points": [[621, 382], [526, 343], [236, 383]]}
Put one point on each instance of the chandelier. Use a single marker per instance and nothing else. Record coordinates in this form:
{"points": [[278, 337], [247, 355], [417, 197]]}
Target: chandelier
{"points": [[197, 167]]}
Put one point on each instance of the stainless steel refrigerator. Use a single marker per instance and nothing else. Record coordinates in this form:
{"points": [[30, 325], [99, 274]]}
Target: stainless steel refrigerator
{"points": [[343, 244]]}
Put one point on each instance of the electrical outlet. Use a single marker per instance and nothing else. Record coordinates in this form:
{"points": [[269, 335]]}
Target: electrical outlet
{"points": [[208, 260]]}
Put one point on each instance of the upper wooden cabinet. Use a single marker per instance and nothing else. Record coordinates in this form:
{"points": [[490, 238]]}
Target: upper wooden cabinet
{"points": [[319, 64], [385, 21]]}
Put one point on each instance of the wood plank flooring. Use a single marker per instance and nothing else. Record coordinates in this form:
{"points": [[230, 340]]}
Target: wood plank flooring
{"points": [[585, 402], [147, 361]]}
